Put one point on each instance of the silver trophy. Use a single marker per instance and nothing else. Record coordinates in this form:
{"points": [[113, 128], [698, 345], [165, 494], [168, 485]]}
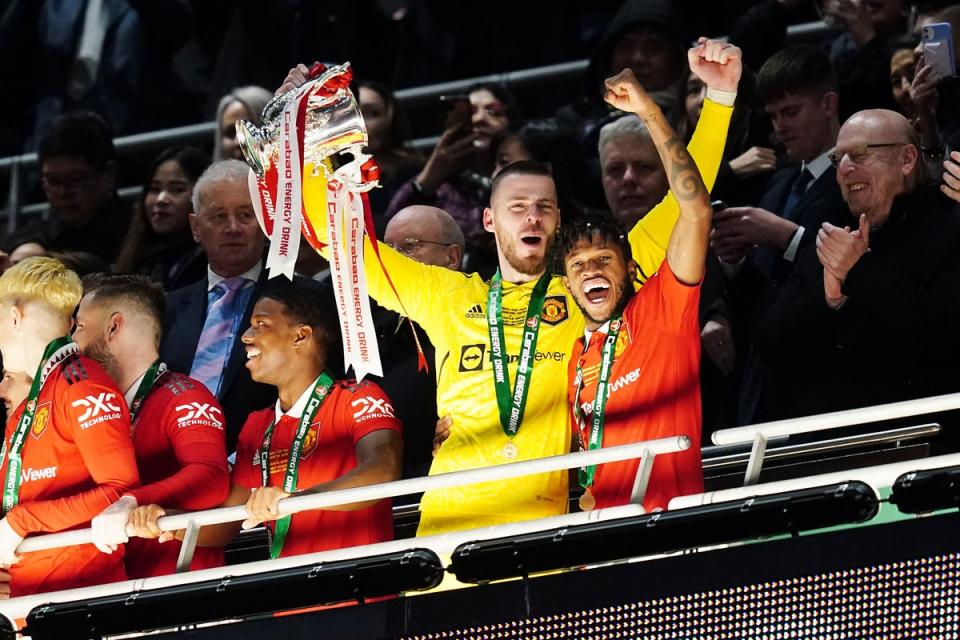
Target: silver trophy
{"points": [[333, 125]]}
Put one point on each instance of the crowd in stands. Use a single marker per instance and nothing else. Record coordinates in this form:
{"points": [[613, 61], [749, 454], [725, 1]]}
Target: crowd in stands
{"points": [[831, 280]]}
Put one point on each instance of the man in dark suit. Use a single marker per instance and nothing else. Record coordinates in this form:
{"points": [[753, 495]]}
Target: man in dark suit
{"points": [[201, 335], [760, 244], [869, 314]]}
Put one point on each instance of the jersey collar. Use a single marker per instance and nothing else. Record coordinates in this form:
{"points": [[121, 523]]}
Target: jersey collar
{"points": [[296, 411], [132, 391], [587, 334]]}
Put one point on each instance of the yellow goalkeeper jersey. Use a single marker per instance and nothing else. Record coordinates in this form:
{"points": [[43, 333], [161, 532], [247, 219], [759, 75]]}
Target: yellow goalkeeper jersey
{"points": [[451, 308]]}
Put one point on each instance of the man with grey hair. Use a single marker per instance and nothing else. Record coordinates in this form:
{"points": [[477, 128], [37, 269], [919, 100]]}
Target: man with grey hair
{"points": [[633, 177], [204, 320]]}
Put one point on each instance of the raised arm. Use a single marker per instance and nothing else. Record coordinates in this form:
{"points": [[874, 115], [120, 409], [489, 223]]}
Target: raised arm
{"points": [[421, 288], [687, 250], [718, 64]]}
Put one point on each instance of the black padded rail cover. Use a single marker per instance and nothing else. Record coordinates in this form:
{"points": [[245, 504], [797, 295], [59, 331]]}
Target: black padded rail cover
{"points": [[238, 596], [791, 512]]}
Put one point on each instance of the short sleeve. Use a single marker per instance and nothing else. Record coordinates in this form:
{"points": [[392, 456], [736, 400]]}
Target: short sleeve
{"points": [[194, 409], [246, 470], [664, 302], [366, 408]]}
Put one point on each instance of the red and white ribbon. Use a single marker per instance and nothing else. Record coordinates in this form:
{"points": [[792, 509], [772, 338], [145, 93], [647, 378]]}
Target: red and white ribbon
{"points": [[288, 205], [345, 231]]}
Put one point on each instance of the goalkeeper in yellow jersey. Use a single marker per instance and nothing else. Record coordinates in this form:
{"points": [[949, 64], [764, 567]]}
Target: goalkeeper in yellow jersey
{"points": [[502, 347]]}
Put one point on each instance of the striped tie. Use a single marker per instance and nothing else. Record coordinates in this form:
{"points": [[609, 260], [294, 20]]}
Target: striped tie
{"points": [[216, 339]]}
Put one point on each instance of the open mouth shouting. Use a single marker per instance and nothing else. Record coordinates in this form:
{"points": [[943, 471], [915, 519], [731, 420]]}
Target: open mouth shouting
{"points": [[252, 354], [531, 240], [596, 290]]}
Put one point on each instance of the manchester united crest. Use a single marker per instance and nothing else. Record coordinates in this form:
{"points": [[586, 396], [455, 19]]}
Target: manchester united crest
{"points": [[40, 421], [623, 341], [310, 442], [554, 310]]}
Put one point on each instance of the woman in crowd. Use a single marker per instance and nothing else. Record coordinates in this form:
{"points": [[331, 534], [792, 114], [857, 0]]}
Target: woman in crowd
{"points": [[243, 103], [456, 176], [388, 131], [159, 243]]}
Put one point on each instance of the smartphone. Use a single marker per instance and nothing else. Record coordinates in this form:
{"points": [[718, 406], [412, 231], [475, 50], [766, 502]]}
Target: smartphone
{"points": [[937, 47], [458, 112], [718, 206]]}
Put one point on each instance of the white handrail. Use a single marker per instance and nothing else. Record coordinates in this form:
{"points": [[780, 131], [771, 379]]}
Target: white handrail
{"points": [[877, 477], [760, 434], [837, 419], [295, 504]]}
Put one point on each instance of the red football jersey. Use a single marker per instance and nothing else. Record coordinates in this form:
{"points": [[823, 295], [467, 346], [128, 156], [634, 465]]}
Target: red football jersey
{"points": [[77, 460], [654, 391], [181, 452], [351, 411]]}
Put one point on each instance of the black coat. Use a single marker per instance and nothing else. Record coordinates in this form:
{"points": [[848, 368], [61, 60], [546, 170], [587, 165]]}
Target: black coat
{"points": [[889, 341], [759, 282], [412, 393], [102, 236], [821, 202]]}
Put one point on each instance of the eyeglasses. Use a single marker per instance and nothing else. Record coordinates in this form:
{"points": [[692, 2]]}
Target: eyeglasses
{"points": [[859, 152], [409, 245], [72, 182]]}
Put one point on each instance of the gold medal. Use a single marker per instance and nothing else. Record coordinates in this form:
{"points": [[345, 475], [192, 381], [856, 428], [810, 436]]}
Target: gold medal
{"points": [[510, 451], [587, 501]]}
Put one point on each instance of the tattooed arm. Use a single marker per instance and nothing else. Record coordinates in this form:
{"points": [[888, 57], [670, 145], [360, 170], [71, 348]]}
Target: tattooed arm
{"points": [[687, 250]]}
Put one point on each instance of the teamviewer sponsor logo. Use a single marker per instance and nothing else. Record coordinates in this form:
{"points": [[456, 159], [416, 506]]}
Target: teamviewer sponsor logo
{"points": [[97, 409], [370, 407], [199, 413], [471, 357], [475, 313], [32, 475], [586, 408], [625, 380]]}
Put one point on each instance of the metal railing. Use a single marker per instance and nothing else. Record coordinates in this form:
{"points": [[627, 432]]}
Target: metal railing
{"points": [[17, 608], [877, 476], [760, 434], [832, 446], [646, 451], [411, 97]]}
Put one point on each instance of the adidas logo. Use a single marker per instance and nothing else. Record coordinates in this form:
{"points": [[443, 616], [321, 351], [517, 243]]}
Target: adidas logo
{"points": [[475, 312]]}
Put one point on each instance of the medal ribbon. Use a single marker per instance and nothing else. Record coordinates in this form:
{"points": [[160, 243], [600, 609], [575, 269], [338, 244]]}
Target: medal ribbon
{"points": [[55, 353], [153, 374], [321, 388], [512, 405], [587, 473]]}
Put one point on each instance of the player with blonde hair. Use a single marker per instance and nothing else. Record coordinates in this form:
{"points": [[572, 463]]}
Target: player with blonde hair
{"points": [[66, 454]]}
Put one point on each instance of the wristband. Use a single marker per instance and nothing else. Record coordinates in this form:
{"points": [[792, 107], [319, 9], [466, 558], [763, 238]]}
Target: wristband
{"points": [[721, 97]]}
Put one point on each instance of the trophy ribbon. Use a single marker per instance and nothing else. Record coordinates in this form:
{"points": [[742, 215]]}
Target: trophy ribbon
{"points": [[309, 129], [285, 238], [345, 229]]}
